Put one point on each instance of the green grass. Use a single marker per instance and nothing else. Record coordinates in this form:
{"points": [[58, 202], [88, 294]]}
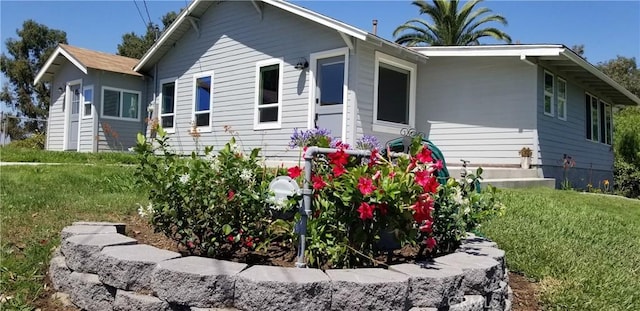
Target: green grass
{"points": [[11, 154], [583, 249], [36, 202]]}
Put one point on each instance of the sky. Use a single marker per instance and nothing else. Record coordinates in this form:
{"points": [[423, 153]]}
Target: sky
{"points": [[606, 28]]}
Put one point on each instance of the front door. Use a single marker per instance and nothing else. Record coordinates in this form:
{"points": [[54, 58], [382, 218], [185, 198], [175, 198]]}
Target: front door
{"points": [[74, 105], [330, 94]]}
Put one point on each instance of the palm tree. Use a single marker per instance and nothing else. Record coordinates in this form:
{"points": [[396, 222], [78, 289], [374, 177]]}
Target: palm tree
{"points": [[450, 26]]}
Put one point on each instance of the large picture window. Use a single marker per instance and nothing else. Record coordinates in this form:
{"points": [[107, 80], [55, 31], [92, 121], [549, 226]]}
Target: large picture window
{"points": [[599, 121], [120, 104], [268, 94], [394, 93], [202, 99], [548, 93], [167, 104], [562, 99]]}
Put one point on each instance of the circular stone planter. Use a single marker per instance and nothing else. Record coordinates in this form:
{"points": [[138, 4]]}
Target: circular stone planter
{"points": [[95, 266]]}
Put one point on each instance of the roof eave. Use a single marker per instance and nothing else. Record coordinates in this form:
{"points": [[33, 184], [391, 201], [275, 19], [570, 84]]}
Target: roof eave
{"points": [[58, 51]]}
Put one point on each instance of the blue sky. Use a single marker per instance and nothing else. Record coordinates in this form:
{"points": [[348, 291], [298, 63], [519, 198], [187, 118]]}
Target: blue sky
{"points": [[606, 28]]}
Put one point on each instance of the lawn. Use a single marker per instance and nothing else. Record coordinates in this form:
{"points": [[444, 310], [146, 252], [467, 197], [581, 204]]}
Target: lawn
{"points": [[583, 249], [11, 154]]}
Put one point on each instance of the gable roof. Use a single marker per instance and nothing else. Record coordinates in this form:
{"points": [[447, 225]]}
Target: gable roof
{"points": [[554, 56], [83, 59], [197, 8]]}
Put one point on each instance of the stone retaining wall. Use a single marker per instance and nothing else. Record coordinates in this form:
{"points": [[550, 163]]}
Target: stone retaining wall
{"points": [[101, 269]]}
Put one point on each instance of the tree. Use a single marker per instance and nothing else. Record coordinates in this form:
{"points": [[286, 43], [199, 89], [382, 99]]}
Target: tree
{"points": [[624, 71], [25, 58], [135, 46], [578, 49], [450, 26]]}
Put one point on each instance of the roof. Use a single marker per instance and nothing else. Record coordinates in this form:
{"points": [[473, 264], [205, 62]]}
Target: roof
{"points": [[553, 56], [83, 59], [197, 8]]}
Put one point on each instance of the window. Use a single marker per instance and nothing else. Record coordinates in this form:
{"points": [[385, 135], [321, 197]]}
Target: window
{"points": [[202, 100], [87, 99], [167, 103], [548, 93], [562, 99], [268, 94], [120, 104], [394, 94], [599, 120]]}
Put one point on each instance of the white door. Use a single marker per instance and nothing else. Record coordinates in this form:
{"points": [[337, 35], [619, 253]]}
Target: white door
{"points": [[329, 94], [74, 105]]}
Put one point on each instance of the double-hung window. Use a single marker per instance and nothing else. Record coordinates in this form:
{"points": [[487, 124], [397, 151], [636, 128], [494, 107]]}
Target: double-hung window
{"points": [[202, 99], [268, 105], [548, 94], [394, 93], [87, 102], [167, 104], [562, 99], [598, 120], [120, 104]]}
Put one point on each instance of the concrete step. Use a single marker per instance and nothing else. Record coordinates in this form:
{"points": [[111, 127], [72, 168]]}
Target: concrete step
{"points": [[521, 182], [497, 172]]}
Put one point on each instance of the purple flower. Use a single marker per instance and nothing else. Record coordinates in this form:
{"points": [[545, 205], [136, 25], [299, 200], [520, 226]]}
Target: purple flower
{"points": [[368, 142], [304, 138]]}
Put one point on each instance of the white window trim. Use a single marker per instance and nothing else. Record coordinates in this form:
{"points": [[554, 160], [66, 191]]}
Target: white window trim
{"points": [[566, 89], [257, 125], [121, 91], [386, 126], [161, 96], [603, 124], [193, 105], [594, 139], [91, 100], [552, 95]]}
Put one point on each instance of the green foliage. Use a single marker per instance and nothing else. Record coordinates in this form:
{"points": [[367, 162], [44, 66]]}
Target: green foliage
{"points": [[25, 58], [450, 25], [626, 141], [212, 204], [627, 179], [581, 248], [624, 71], [36, 141], [11, 153], [135, 46]]}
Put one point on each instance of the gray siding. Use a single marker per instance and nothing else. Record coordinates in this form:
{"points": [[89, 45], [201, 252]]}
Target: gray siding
{"points": [[480, 109], [87, 125], [594, 160], [232, 39]]}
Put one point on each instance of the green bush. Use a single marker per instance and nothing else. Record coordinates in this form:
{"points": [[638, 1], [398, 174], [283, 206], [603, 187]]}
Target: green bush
{"points": [[35, 141], [211, 205], [626, 140], [627, 179]]}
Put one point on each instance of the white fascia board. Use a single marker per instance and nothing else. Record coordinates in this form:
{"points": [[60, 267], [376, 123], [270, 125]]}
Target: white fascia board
{"points": [[165, 35], [599, 74], [319, 18], [59, 50], [551, 50]]}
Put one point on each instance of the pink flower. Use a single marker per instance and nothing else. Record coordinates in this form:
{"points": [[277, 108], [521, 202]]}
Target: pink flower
{"points": [[424, 155], [392, 174], [294, 172], [366, 186], [373, 159], [422, 178], [431, 243], [376, 175], [230, 195], [318, 182], [438, 165], [366, 211], [190, 244], [339, 157], [338, 170]]}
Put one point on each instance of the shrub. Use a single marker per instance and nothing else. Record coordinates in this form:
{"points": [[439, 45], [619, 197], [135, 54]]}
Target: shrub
{"points": [[627, 178], [35, 141], [211, 204]]}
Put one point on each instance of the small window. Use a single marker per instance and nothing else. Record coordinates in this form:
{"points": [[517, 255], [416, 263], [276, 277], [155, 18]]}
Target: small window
{"points": [[202, 100], [548, 93], [167, 104], [268, 94], [394, 89], [87, 98], [120, 104], [562, 99]]}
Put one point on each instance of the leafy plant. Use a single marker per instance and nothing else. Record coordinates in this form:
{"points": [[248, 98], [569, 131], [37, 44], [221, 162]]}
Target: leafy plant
{"points": [[525, 152], [210, 204]]}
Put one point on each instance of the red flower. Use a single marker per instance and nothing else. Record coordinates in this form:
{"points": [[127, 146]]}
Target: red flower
{"points": [[376, 175], [294, 171], [432, 185], [339, 157], [383, 209], [230, 238], [392, 174], [373, 159], [366, 211], [438, 165], [422, 178], [422, 209], [366, 186], [248, 242], [318, 182], [427, 226], [230, 195], [190, 244], [338, 170], [424, 155], [431, 243]]}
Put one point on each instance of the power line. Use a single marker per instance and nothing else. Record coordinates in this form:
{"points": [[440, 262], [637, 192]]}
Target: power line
{"points": [[147, 9], [140, 13]]}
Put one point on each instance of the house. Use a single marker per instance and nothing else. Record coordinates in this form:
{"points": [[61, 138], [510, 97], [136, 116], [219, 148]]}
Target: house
{"points": [[96, 100], [266, 67]]}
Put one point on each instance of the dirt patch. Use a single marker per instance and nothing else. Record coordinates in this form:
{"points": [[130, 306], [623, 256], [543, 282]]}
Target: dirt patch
{"points": [[525, 291]]}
